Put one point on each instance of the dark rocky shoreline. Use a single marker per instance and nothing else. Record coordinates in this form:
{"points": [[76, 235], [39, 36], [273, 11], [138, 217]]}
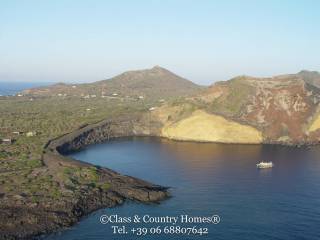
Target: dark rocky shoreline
{"points": [[23, 219]]}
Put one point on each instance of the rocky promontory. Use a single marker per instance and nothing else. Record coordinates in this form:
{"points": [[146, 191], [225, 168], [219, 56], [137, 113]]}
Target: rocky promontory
{"points": [[82, 187]]}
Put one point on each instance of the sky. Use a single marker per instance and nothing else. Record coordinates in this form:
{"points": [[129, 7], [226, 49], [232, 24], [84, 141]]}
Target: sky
{"points": [[203, 41]]}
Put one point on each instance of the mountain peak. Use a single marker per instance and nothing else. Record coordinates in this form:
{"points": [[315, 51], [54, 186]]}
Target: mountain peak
{"points": [[152, 82], [158, 68]]}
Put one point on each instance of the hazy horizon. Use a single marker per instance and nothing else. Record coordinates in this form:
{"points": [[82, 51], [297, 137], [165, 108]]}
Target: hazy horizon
{"points": [[38, 83], [207, 41]]}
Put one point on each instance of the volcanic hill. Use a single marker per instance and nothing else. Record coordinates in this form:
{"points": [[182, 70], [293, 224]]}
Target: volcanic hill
{"points": [[281, 109], [153, 83]]}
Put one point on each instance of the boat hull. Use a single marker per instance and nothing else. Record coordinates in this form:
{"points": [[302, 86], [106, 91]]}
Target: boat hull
{"points": [[265, 165]]}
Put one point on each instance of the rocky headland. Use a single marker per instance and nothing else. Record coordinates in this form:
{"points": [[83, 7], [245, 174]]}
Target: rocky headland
{"points": [[23, 219]]}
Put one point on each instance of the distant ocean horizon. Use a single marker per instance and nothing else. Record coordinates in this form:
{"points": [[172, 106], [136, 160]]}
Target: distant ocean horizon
{"points": [[12, 88]]}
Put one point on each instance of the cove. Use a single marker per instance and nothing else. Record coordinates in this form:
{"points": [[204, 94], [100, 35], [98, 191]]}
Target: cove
{"points": [[206, 179]]}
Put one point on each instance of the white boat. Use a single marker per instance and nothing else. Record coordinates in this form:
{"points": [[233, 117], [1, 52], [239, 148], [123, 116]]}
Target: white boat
{"points": [[265, 165]]}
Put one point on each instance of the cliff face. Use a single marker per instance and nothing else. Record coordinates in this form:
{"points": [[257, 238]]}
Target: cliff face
{"points": [[282, 107], [204, 127], [122, 126], [282, 110]]}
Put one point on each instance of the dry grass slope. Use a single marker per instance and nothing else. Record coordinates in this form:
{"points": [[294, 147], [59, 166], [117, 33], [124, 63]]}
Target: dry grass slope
{"points": [[315, 125]]}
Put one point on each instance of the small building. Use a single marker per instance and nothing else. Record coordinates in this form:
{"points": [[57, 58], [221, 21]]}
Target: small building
{"points": [[6, 140], [31, 134], [17, 132], [114, 94], [152, 109], [141, 97], [93, 96]]}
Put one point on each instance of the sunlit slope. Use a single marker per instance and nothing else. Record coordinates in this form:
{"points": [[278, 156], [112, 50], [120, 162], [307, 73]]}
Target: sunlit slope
{"points": [[285, 108], [204, 127], [315, 125]]}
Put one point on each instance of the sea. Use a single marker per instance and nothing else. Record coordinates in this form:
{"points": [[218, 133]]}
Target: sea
{"points": [[214, 181], [12, 88]]}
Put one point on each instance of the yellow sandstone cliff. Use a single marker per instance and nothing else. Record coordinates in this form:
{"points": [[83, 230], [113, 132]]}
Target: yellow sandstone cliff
{"points": [[204, 127]]}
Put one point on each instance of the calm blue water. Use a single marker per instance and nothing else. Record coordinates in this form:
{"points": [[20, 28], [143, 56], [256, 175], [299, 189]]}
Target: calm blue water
{"points": [[12, 88], [279, 203]]}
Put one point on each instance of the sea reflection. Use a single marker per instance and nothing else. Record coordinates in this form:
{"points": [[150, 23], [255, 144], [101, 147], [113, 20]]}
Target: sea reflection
{"points": [[208, 150]]}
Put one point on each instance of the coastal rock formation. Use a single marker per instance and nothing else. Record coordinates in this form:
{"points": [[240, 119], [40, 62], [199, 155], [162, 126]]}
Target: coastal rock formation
{"points": [[21, 218], [204, 127], [279, 110]]}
